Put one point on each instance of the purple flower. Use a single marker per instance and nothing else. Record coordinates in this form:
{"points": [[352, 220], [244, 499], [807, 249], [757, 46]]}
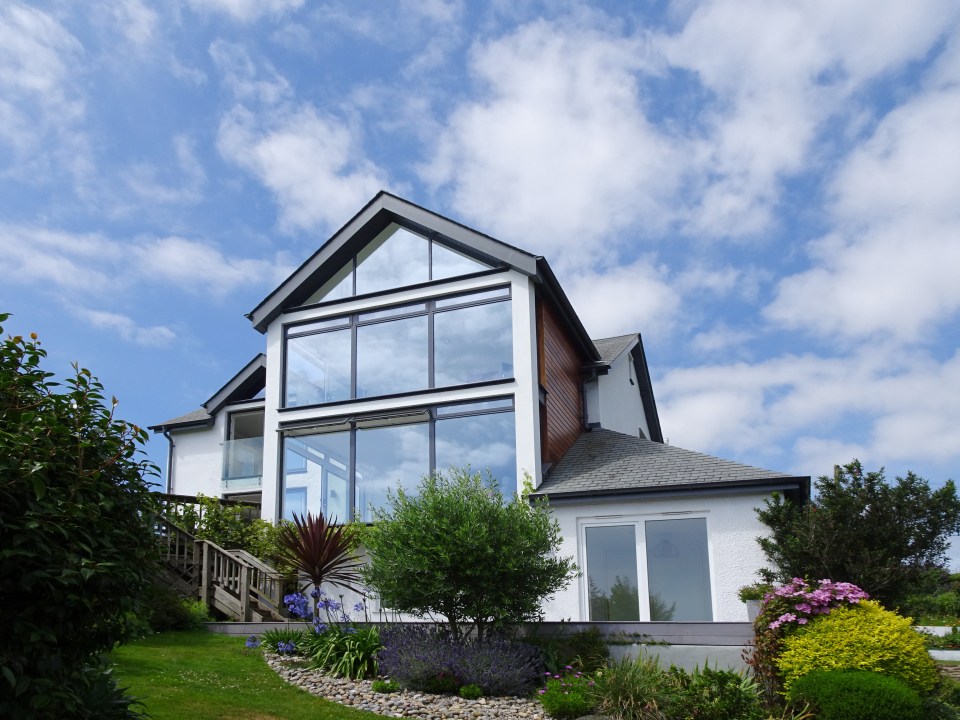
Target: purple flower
{"points": [[252, 642]]}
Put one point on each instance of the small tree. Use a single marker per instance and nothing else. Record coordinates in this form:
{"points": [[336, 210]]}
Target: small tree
{"points": [[888, 539], [459, 550], [77, 551]]}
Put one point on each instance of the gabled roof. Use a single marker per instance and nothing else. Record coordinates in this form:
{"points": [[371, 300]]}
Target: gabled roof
{"points": [[610, 349], [604, 464], [376, 215], [613, 347], [242, 386]]}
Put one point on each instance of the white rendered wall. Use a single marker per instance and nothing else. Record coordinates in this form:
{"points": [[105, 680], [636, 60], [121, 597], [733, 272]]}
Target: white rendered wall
{"points": [[732, 529], [619, 405], [197, 460]]}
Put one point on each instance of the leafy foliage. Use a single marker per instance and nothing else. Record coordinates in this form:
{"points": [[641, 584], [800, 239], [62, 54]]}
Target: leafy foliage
{"points": [[631, 689], [885, 538], [585, 650], [77, 553], [345, 651], [271, 639], [861, 637], [707, 694], [567, 695], [471, 692], [386, 686], [857, 695], [416, 656], [229, 526], [458, 549], [325, 552], [166, 610]]}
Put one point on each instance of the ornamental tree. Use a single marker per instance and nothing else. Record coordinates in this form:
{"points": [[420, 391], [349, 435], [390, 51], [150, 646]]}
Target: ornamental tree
{"points": [[886, 538], [458, 549], [77, 552]]}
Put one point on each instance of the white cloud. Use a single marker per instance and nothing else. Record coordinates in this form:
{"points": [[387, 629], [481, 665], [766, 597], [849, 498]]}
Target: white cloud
{"points": [[126, 328], [136, 20], [558, 153], [720, 339], [246, 10], [145, 181], [65, 260]]}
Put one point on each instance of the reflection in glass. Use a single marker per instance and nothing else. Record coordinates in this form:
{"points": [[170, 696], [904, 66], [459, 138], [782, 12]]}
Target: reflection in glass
{"points": [[392, 357], [338, 287], [678, 569], [315, 475], [482, 442], [318, 368], [388, 457], [449, 263], [473, 344], [393, 259], [612, 572]]}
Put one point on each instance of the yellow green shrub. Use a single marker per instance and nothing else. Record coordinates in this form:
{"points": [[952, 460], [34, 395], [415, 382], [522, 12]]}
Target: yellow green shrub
{"points": [[859, 637]]}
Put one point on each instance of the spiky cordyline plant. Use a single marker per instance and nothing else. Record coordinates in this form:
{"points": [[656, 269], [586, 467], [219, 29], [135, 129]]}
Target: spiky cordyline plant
{"points": [[322, 550]]}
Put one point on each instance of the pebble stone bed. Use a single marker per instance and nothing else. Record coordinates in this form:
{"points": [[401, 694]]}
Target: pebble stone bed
{"points": [[358, 694]]}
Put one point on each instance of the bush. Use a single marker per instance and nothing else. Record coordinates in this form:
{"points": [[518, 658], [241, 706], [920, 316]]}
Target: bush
{"points": [[77, 551], [385, 686], [586, 650], [567, 695], [864, 637], [712, 695], [416, 655], [276, 638], [456, 548], [631, 690], [229, 526], [345, 651], [471, 692], [857, 695]]}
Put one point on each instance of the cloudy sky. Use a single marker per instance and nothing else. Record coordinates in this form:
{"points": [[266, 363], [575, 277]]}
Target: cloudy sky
{"points": [[768, 191]]}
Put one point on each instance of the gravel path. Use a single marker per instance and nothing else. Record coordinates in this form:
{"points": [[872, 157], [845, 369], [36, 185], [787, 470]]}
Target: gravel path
{"points": [[358, 694]]}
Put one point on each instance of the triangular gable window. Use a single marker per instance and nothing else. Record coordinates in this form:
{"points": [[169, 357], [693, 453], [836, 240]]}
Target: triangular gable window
{"points": [[395, 258]]}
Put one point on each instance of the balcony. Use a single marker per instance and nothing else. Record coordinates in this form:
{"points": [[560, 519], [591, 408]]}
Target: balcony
{"points": [[242, 464]]}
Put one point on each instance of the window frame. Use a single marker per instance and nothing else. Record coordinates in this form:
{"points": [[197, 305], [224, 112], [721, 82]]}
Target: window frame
{"points": [[639, 521], [419, 308]]}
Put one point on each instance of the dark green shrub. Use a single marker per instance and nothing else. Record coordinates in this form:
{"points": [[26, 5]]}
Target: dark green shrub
{"points": [[471, 692], [586, 650], [385, 686], [165, 610], [345, 651], [712, 695], [631, 690], [856, 695], [567, 695], [77, 551], [270, 640], [443, 683]]}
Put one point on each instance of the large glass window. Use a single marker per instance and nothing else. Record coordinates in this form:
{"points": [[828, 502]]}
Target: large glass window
{"points": [[396, 258], [352, 465], [468, 337], [675, 565]]}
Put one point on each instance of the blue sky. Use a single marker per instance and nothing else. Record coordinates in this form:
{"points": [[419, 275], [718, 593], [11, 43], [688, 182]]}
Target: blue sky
{"points": [[768, 191]]}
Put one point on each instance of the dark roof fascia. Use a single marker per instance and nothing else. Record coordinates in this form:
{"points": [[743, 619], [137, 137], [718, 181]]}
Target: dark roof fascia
{"points": [[250, 378], [193, 424], [376, 215], [558, 297], [639, 356], [789, 485]]}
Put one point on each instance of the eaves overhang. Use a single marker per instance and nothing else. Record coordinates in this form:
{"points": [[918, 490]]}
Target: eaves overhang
{"points": [[796, 488]]}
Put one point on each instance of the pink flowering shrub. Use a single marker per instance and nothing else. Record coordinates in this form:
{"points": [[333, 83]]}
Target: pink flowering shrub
{"points": [[786, 609]]}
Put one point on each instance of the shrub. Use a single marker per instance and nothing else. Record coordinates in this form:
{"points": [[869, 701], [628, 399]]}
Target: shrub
{"points": [[586, 650], [865, 637], [77, 551], [166, 610], [345, 651], [272, 640], [471, 692], [385, 686], [229, 526], [857, 695], [457, 548], [950, 641], [567, 695], [415, 655], [631, 690], [712, 695]]}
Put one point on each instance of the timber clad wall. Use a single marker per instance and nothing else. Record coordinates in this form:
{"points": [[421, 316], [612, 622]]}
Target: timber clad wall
{"points": [[559, 366]]}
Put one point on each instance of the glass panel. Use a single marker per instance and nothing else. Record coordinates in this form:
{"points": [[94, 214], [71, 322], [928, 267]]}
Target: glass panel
{"points": [[318, 369], [450, 263], [473, 344], [338, 287], [393, 259], [388, 457], [243, 458], [503, 292], [315, 475], [392, 357], [474, 406], [393, 312], [246, 425], [678, 570], [612, 572], [482, 442], [308, 328]]}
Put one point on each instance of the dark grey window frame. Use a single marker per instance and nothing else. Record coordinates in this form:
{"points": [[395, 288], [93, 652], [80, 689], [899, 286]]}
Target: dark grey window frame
{"points": [[429, 415], [425, 307]]}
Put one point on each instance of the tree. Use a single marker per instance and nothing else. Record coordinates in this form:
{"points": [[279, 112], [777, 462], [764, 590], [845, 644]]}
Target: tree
{"points": [[887, 539], [459, 550], [77, 551]]}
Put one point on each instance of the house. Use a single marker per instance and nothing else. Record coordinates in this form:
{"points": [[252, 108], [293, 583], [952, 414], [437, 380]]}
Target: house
{"points": [[408, 343]]}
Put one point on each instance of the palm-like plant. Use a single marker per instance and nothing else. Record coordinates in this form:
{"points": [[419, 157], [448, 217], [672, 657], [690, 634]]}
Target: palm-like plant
{"points": [[324, 551]]}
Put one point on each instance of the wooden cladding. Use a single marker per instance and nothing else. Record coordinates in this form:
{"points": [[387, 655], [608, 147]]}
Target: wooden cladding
{"points": [[559, 365]]}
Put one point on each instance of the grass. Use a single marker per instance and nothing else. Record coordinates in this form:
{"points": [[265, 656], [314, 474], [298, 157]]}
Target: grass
{"points": [[206, 676]]}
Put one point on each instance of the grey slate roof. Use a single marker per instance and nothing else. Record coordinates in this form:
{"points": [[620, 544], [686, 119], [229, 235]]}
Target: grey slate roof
{"points": [[611, 348], [196, 417], [604, 462]]}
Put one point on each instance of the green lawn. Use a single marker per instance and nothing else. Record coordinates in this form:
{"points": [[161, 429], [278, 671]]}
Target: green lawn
{"points": [[206, 676]]}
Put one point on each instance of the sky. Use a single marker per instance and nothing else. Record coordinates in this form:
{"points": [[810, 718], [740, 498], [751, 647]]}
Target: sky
{"points": [[769, 192]]}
